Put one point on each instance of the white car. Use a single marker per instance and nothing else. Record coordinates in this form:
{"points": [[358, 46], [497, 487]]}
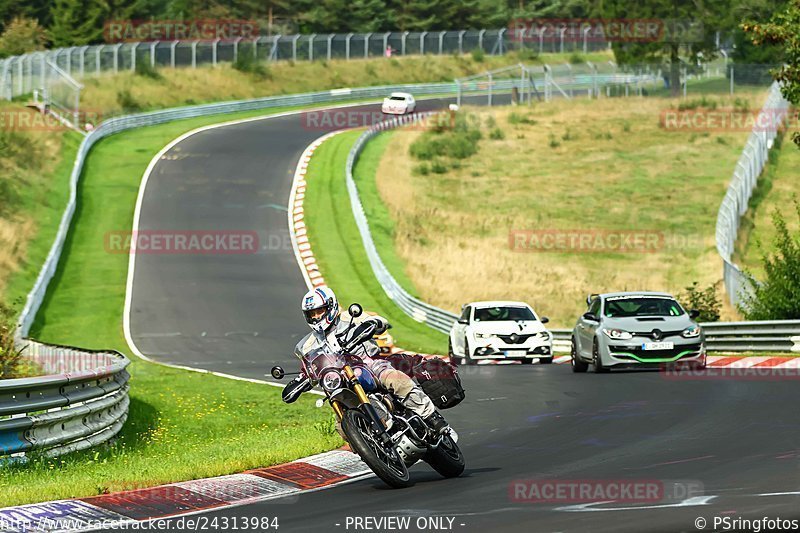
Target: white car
{"points": [[500, 330], [399, 104]]}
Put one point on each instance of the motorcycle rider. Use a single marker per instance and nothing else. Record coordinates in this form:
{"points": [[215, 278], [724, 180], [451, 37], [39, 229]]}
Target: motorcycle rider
{"points": [[321, 311]]}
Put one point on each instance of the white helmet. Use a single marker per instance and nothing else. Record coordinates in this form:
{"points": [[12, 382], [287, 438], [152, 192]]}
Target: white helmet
{"points": [[320, 309]]}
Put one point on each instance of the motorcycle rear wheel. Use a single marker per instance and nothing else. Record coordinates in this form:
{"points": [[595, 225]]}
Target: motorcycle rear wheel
{"points": [[447, 458], [387, 464]]}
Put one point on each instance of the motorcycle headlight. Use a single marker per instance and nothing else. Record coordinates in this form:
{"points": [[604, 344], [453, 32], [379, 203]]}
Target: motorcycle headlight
{"points": [[617, 334], [691, 331], [483, 335], [331, 380]]}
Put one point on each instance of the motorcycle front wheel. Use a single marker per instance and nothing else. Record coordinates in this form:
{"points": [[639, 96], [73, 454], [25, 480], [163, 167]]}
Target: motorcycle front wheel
{"points": [[386, 463], [447, 458]]}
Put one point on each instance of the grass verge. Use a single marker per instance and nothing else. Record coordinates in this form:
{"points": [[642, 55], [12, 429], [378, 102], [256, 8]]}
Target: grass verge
{"points": [[337, 246], [182, 425], [466, 227]]}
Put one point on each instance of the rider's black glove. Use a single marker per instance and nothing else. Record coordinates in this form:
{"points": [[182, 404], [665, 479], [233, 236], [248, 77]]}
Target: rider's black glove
{"points": [[296, 387]]}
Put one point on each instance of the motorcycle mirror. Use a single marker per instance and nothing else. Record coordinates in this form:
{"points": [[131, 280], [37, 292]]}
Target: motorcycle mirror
{"points": [[277, 372], [355, 310]]}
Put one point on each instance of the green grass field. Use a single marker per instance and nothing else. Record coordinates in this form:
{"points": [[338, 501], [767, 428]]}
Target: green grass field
{"points": [[337, 246], [182, 425]]}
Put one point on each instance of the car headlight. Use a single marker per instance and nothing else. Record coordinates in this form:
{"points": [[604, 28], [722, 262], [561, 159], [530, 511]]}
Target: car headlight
{"points": [[691, 331], [543, 335], [331, 380], [483, 335], [617, 334]]}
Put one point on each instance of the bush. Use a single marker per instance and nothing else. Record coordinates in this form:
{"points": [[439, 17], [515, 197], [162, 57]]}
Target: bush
{"points": [[576, 58], [778, 296], [706, 301], [146, 70], [11, 363], [127, 101], [526, 54], [457, 142], [421, 169], [554, 142], [22, 35], [518, 118], [478, 55], [497, 134], [438, 167], [245, 62]]}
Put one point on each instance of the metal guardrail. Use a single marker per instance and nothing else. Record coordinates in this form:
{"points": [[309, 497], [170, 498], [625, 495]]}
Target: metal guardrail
{"points": [[81, 402], [754, 158]]}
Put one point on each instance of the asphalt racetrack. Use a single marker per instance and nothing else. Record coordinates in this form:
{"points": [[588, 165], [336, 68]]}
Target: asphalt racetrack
{"points": [[725, 448]]}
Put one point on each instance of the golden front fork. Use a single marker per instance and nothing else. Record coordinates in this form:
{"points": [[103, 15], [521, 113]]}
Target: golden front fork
{"points": [[362, 396]]}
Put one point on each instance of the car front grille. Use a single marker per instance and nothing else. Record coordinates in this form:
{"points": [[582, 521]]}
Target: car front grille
{"points": [[518, 339], [620, 351]]}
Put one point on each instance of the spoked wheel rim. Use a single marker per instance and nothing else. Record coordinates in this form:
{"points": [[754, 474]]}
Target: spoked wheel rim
{"points": [[388, 457]]}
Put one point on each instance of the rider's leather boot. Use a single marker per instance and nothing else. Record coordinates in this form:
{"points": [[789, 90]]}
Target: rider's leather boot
{"points": [[437, 423]]}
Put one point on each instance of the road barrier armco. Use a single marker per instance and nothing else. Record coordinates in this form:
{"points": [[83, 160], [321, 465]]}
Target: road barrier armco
{"points": [[81, 402]]}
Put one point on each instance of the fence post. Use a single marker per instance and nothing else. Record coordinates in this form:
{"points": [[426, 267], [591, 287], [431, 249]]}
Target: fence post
{"points": [[214, 52], [116, 57], [461, 42], [366, 44], [273, 54], [82, 55], [386, 41], [403, 43], [153, 53], [480, 38], [347, 46], [133, 56], [458, 92], [172, 46], [69, 61], [732, 78], [255, 48], [96, 59], [330, 40], [194, 54], [294, 47], [422, 43], [561, 36], [586, 40], [441, 41], [541, 39], [501, 35], [311, 46]]}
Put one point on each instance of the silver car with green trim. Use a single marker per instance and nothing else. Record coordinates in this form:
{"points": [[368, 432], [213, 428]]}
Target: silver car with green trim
{"points": [[636, 329]]}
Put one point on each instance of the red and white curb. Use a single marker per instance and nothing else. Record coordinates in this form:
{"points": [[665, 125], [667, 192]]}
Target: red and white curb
{"points": [[734, 361], [186, 498]]}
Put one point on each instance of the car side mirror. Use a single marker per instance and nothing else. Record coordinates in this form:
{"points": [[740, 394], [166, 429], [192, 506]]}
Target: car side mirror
{"points": [[463, 321], [277, 372], [544, 320], [355, 310], [388, 326], [694, 313], [590, 317]]}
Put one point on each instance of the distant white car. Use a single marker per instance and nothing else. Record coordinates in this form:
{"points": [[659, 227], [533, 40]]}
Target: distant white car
{"points": [[500, 330], [399, 104]]}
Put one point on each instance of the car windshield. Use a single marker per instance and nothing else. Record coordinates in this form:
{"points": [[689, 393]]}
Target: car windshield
{"points": [[401, 98], [496, 314], [642, 307]]}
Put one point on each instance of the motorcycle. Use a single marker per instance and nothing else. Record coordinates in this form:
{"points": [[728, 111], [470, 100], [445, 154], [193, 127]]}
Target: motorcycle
{"points": [[387, 436]]}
